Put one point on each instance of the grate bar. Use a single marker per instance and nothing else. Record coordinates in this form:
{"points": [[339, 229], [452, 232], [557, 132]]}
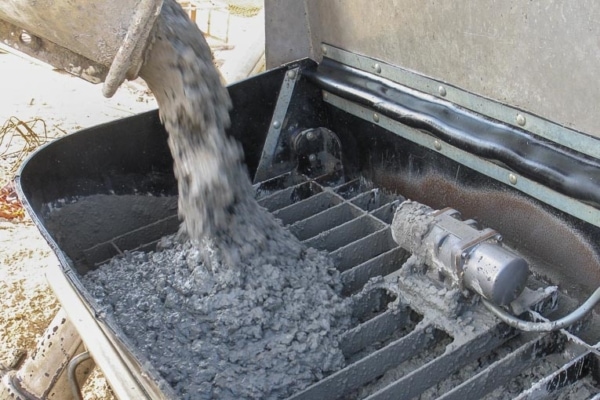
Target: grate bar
{"points": [[374, 330], [270, 186], [569, 374], [290, 195], [370, 367], [323, 221], [307, 208], [354, 279], [372, 200], [136, 239], [503, 370], [396, 353], [364, 249], [386, 212], [352, 189], [345, 234], [371, 303], [456, 356]]}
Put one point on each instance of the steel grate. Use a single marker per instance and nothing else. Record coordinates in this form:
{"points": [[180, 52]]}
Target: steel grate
{"points": [[410, 352], [432, 348]]}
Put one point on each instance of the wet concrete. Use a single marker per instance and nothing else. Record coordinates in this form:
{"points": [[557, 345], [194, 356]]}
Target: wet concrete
{"points": [[234, 306]]}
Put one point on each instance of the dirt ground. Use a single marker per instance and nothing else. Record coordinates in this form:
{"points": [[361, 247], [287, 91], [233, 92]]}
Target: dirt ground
{"points": [[39, 104]]}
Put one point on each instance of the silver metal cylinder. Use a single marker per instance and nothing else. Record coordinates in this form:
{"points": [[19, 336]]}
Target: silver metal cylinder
{"points": [[468, 257], [495, 273]]}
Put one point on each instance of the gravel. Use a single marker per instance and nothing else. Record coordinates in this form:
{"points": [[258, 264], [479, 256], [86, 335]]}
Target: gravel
{"points": [[263, 329]]}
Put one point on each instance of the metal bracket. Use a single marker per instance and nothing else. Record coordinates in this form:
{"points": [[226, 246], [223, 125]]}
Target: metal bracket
{"points": [[278, 124], [317, 151]]}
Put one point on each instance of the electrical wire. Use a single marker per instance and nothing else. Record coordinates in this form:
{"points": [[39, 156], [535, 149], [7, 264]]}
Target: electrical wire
{"points": [[549, 326]]}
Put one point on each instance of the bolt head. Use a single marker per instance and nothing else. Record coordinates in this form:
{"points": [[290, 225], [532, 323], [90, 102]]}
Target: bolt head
{"points": [[437, 145], [521, 119], [324, 49], [377, 68], [512, 178], [25, 38], [325, 95], [276, 124], [311, 136], [442, 91], [375, 117], [29, 40], [312, 158], [291, 74]]}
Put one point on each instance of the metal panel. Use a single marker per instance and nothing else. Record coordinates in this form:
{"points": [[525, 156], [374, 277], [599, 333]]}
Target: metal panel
{"points": [[532, 188], [287, 33], [542, 127], [106, 33], [95, 30], [540, 56]]}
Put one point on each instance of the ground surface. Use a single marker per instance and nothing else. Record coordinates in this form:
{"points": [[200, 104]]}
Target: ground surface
{"points": [[39, 104]]}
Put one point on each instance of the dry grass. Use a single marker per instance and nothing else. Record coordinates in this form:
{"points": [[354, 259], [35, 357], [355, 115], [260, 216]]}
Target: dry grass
{"points": [[18, 139]]}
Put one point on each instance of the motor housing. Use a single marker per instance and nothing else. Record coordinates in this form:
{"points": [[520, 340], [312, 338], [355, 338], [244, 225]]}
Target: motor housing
{"points": [[468, 257]]}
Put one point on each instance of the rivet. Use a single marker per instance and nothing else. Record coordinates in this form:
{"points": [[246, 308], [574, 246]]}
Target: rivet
{"points": [[26, 38], [521, 119], [291, 74], [375, 117], [29, 40], [377, 68], [437, 145], [312, 158], [324, 49], [276, 124], [512, 178], [442, 91]]}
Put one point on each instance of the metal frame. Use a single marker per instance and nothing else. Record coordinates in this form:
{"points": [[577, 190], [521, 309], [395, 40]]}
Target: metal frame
{"points": [[523, 120], [105, 355], [528, 186], [277, 125]]}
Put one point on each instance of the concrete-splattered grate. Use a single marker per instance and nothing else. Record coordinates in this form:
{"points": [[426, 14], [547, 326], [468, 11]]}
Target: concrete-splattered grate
{"points": [[411, 350]]}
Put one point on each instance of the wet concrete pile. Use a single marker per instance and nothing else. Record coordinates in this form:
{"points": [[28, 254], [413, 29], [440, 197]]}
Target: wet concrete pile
{"points": [[264, 329], [234, 306]]}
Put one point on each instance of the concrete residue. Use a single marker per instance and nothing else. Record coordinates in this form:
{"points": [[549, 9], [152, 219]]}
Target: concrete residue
{"points": [[438, 344], [411, 224], [82, 223], [263, 330], [241, 309], [524, 380]]}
